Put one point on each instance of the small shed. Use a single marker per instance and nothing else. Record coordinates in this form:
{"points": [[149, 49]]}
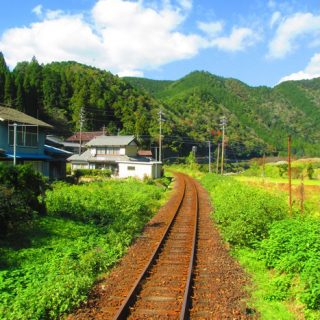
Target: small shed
{"points": [[140, 169]]}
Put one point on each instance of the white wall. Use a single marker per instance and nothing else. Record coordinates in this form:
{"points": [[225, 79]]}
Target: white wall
{"points": [[139, 170]]}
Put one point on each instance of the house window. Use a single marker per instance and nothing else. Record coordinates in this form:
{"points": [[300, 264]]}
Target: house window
{"points": [[131, 168], [108, 151], [27, 136]]}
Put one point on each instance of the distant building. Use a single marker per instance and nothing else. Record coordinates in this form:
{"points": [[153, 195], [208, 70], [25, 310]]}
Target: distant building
{"points": [[57, 142], [145, 153], [30, 144], [85, 136], [117, 153]]}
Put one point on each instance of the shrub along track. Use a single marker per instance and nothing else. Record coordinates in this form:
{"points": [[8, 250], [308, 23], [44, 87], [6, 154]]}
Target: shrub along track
{"points": [[173, 287]]}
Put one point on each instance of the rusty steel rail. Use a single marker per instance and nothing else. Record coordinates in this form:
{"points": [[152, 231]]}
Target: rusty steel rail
{"points": [[185, 310], [123, 310]]}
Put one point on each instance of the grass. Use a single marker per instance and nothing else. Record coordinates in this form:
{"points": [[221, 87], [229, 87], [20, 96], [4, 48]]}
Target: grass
{"points": [[55, 260], [48, 266], [311, 191], [262, 288], [276, 180], [275, 293]]}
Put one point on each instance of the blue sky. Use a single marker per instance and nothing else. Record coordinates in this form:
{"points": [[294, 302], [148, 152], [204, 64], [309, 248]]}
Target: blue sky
{"points": [[258, 42]]}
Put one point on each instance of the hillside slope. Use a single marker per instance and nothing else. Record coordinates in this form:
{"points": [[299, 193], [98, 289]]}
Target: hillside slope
{"points": [[257, 116]]}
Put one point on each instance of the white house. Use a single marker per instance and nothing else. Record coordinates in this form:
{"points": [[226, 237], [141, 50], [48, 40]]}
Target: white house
{"points": [[119, 154]]}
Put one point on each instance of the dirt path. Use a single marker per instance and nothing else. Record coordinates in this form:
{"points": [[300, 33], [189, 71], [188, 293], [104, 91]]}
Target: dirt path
{"points": [[219, 280]]}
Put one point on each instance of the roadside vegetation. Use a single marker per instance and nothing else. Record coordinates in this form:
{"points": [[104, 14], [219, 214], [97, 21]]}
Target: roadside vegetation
{"points": [[49, 262], [280, 252]]}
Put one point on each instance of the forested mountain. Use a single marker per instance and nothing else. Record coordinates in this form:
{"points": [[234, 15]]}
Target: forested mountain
{"points": [[58, 92], [259, 118]]}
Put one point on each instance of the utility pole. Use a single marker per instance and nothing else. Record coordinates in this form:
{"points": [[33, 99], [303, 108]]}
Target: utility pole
{"points": [[15, 143], [223, 123], [209, 156], [289, 174], [160, 136], [218, 156], [81, 123]]}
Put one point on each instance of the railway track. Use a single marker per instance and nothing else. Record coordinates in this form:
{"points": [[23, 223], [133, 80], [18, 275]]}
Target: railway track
{"points": [[163, 288], [178, 269]]}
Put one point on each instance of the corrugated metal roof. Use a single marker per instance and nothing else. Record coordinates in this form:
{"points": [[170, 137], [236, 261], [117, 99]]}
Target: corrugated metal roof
{"points": [[29, 156], [9, 114], [54, 150], [110, 141]]}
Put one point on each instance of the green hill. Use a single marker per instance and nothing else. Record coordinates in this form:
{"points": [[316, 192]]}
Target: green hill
{"points": [[259, 118]]}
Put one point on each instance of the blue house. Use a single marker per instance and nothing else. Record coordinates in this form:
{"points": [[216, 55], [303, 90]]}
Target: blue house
{"points": [[30, 143]]}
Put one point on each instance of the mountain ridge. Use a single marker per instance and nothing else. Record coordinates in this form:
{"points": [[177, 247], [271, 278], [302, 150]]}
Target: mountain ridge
{"points": [[259, 118]]}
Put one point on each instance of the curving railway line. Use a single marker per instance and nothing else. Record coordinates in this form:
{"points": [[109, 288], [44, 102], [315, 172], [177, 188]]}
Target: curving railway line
{"points": [[178, 274], [163, 288]]}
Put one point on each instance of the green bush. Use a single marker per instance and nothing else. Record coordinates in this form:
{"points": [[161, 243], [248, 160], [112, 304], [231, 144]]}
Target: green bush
{"points": [[293, 247], [92, 173], [102, 203], [53, 273], [243, 212], [20, 188]]}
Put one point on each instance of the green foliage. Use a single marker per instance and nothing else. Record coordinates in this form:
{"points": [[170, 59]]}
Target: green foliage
{"points": [[267, 294], [259, 118], [55, 272], [280, 288], [191, 161], [20, 188], [293, 247], [289, 247], [48, 267], [244, 213], [283, 169], [310, 170], [103, 203], [92, 173]]}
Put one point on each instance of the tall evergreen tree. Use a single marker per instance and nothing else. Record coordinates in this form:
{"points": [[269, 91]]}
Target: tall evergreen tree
{"points": [[9, 90], [4, 70]]}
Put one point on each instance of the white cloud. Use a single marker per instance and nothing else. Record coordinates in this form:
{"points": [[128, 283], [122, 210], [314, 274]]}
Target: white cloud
{"points": [[212, 29], [238, 40], [66, 38], [125, 37], [54, 14], [289, 30], [37, 10], [186, 4], [275, 18], [311, 71], [130, 73], [138, 37]]}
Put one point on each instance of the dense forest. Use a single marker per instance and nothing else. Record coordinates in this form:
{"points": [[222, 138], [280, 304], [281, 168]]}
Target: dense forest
{"points": [[259, 119], [59, 92]]}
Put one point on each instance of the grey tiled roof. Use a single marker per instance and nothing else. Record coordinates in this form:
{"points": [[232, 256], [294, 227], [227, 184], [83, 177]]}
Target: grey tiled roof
{"points": [[9, 114], [87, 157], [110, 141]]}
